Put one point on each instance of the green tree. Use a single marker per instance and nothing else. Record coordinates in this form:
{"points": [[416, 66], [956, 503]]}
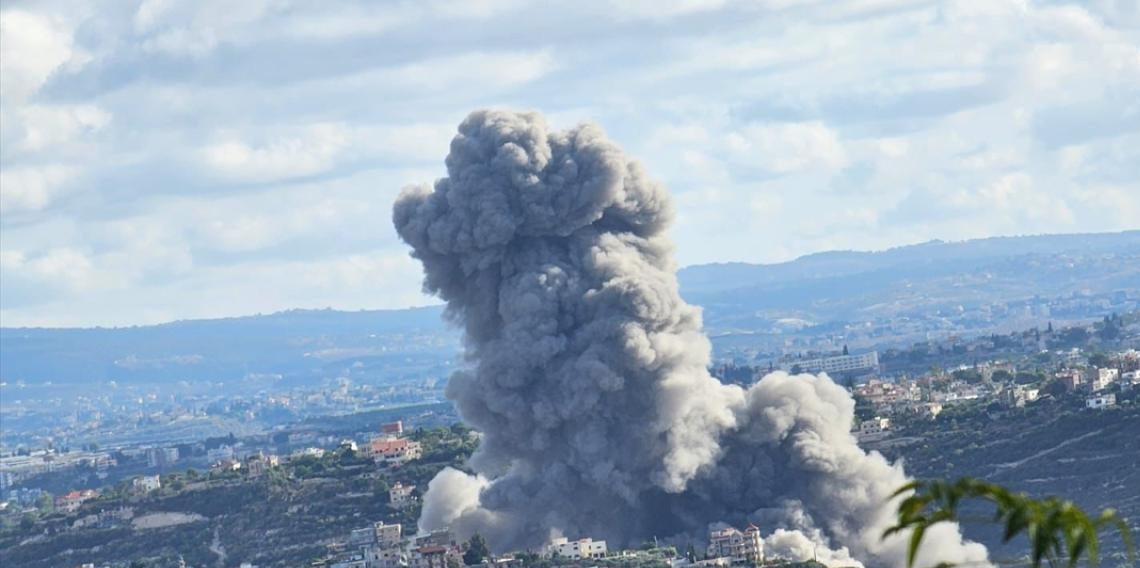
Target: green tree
{"points": [[1059, 532], [476, 550]]}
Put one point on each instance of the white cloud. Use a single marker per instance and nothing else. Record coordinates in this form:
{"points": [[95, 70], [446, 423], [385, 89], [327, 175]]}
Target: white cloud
{"points": [[312, 151], [31, 188], [34, 46], [213, 158], [46, 126], [788, 147]]}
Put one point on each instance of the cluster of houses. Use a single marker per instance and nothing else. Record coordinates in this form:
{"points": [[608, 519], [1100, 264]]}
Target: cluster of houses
{"points": [[255, 464], [927, 397], [383, 545]]}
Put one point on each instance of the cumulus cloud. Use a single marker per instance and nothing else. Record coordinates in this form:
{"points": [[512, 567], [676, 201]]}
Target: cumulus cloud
{"points": [[589, 375], [310, 152], [34, 47], [31, 188], [869, 115]]}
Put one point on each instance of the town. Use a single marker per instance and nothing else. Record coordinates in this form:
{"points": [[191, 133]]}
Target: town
{"points": [[344, 491]]}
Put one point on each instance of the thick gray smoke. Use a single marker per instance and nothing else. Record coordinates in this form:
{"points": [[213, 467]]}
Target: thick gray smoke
{"points": [[588, 372]]}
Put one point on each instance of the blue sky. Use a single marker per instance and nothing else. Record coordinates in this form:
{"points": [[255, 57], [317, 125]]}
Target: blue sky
{"points": [[167, 160]]}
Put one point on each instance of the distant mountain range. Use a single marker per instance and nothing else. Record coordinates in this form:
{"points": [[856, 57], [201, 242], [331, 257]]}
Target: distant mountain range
{"points": [[913, 280], [963, 286]]}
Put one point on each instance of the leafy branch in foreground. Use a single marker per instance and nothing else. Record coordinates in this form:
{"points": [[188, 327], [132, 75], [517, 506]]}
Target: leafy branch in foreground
{"points": [[1059, 532]]}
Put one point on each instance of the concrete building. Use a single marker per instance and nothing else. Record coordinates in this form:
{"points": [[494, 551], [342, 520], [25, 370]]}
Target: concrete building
{"points": [[393, 429], [70, 503], [876, 425], [840, 364], [146, 484], [385, 557], [1071, 379], [400, 495], [1017, 396], [433, 556], [741, 546], [387, 535], [161, 457], [394, 451], [576, 549], [1101, 402], [1102, 378], [259, 463]]}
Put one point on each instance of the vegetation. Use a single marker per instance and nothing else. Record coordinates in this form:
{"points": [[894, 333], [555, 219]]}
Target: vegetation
{"points": [[1059, 533], [290, 513]]}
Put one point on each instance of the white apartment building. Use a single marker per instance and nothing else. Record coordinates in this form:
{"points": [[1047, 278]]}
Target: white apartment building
{"points": [[1101, 402], [146, 484], [838, 364], [576, 549]]}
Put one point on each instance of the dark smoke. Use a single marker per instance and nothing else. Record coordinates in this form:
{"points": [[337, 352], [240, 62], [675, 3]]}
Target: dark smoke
{"points": [[588, 372]]}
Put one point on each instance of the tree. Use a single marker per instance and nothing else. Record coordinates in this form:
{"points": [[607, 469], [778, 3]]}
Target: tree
{"points": [[476, 550], [1099, 360], [1059, 532]]}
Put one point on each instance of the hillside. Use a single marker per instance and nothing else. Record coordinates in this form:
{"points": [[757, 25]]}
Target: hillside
{"points": [[866, 299], [1048, 448]]}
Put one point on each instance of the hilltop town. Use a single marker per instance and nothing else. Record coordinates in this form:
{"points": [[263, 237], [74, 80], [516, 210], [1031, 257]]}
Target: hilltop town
{"points": [[345, 491]]}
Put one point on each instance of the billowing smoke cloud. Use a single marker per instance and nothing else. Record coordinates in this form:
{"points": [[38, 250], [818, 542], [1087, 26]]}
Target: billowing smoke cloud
{"points": [[588, 372]]}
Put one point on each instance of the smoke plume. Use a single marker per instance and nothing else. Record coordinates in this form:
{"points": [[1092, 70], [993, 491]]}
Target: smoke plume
{"points": [[587, 372]]}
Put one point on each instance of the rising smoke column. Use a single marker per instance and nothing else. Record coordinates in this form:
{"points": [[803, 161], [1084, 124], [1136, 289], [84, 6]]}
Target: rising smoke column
{"points": [[588, 374]]}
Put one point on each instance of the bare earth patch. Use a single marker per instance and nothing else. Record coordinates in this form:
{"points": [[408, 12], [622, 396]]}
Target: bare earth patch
{"points": [[160, 520]]}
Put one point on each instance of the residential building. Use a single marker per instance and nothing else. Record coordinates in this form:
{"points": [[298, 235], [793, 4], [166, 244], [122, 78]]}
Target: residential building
{"points": [[442, 537], [259, 463], [393, 429], [307, 453], [385, 557], [400, 495], [1071, 379], [741, 546], [387, 535], [146, 484], [433, 556], [70, 503], [1017, 396], [161, 457], [348, 560], [929, 410], [576, 549], [1101, 401], [395, 451], [362, 537], [839, 364], [1102, 378], [226, 465], [876, 425]]}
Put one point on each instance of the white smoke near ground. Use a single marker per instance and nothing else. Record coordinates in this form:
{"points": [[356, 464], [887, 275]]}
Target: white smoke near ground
{"points": [[587, 372]]}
